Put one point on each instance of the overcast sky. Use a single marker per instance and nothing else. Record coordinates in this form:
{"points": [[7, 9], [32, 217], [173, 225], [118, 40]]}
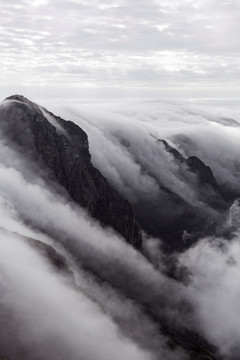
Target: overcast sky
{"points": [[76, 49]]}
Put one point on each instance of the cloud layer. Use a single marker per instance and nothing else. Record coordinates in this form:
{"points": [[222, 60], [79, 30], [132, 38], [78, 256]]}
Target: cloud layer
{"points": [[105, 307], [130, 130], [119, 49], [93, 315], [122, 138]]}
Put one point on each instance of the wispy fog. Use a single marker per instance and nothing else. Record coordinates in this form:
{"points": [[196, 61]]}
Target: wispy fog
{"points": [[123, 142], [85, 315], [109, 300], [123, 134], [44, 316], [214, 290]]}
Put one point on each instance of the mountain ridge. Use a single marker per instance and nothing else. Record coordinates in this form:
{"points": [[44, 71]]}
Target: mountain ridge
{"points": [[66, 154], [62, 147]]}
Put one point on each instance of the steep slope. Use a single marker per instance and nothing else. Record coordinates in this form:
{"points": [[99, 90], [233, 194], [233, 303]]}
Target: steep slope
{"points": [[61, 147], [190, 221], [205, 183], [190, 147], [188, 203]]}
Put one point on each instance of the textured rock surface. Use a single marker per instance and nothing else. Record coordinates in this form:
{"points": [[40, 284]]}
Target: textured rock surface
{"points": [[180, 223], [208, 188], [62, 147]]}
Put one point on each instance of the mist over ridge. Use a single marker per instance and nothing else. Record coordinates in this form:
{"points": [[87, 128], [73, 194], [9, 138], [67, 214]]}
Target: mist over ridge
{"points": [[140, 206]]}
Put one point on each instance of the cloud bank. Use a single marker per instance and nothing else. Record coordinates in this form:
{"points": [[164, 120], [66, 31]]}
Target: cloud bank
{"points": [[166, 49], [111, 301], [123, 144], [92, 315]]}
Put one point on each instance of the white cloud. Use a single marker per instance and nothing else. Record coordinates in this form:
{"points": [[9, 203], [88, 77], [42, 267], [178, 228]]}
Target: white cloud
{"points": [[92, 319], [198, 37], [109, 309], [214, 291]]}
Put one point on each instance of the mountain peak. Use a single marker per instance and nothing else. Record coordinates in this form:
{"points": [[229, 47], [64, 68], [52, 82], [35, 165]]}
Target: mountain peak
{"points": [[21, 99], [17, 97], [61, 148]]}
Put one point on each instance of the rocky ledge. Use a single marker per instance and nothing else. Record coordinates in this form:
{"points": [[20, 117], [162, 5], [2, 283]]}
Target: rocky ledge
{"points": [[61, 148]]}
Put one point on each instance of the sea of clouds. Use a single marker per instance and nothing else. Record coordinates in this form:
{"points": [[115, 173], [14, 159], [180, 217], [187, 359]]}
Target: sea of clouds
{"points": [[109, 305]]}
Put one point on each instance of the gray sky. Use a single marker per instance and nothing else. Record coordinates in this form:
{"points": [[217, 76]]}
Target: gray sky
{"points": [[77, 49]]}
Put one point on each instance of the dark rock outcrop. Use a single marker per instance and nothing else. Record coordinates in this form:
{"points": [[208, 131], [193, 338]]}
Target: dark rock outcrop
{"points": [[193, 221], [61, 147], [205, 179], [178, 221], [203, 171], [57, 260]]}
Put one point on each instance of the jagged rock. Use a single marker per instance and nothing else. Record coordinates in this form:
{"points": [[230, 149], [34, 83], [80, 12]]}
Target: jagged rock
{"points": [[176, 154], [57, 260], [169, 216], [204, 176], [204, 173], [62, 147]]}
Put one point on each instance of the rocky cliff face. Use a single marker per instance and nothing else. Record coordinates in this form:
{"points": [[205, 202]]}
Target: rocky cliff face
{"points": [[168, 215], [61, 148], [191, 221], [205, 182]]}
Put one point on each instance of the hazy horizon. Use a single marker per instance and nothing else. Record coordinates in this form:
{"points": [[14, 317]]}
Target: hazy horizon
{"points": [[119, 49]]}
